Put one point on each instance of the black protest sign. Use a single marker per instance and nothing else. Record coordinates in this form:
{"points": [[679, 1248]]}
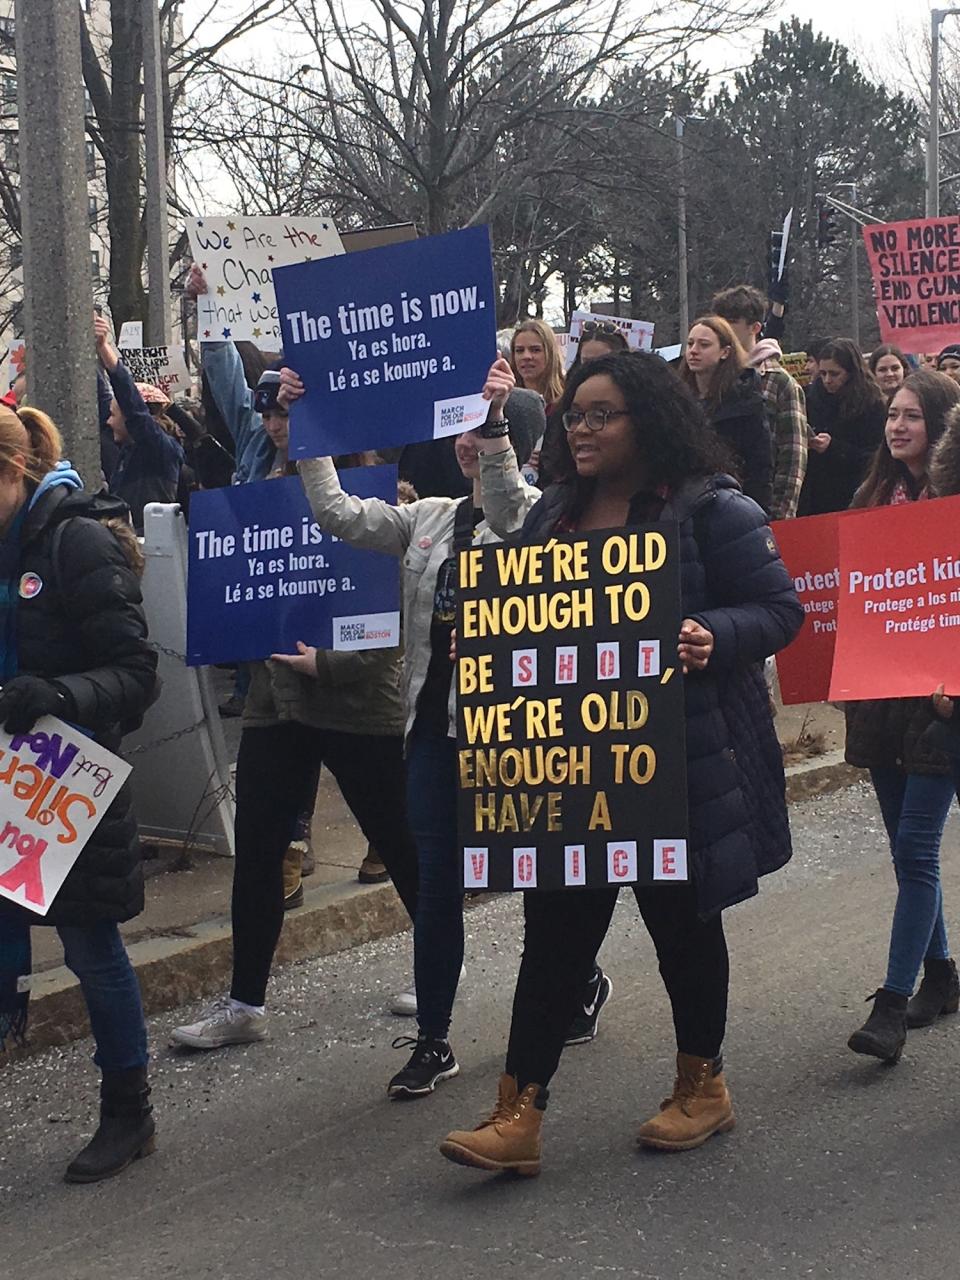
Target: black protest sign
{"points": [[571, 757]]}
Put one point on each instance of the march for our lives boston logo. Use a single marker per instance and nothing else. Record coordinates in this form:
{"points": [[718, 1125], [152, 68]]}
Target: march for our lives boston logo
{"points": [[393, 344]]}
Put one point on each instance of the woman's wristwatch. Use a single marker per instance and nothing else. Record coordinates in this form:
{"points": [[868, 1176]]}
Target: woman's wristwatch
{"points": [[494, 430]]}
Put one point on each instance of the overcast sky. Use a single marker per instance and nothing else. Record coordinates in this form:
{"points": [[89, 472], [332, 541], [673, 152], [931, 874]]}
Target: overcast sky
{"points": [[871, 28]]}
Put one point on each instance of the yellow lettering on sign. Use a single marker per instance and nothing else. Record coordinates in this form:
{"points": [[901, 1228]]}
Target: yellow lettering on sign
{"points": [[600, 814]]}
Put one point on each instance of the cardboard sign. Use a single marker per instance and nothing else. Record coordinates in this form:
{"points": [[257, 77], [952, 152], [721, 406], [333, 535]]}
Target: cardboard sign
{"points": [[784, 242], [811, 552], [638, 333], [55, 786], [392, 344], [237, 255], [163, 367], [263, 575], [916, 281], [572, 764], [898, 617], [131, 334], [795, 363]]}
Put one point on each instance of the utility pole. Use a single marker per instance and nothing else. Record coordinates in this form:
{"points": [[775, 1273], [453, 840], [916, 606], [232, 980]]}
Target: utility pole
{"points": [[682, 286], [855, 234], [937, 18], [158, 231], [57, 273]]}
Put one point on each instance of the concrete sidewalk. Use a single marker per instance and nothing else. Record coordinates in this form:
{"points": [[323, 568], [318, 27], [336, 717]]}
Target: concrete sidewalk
{"points": [[181, 944]]}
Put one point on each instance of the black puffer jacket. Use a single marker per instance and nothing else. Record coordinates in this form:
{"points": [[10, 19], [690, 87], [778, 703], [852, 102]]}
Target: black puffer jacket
{"points": [[734, 583], [739, 420], [86, 629]]}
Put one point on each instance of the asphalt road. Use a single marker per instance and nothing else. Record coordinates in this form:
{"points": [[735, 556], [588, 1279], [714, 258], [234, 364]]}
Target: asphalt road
{"points": [[287, 1159]]}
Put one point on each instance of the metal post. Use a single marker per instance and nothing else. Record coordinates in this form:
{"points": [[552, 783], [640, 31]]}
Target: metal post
{"points": [[158, 232], [937, 17], [57, 273], [854, 271], [682, 287], [933, 143]]}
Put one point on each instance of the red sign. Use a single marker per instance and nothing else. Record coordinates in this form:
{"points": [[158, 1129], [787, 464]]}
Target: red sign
{"points": [[810, 550], [898, 615], [916, 281]]}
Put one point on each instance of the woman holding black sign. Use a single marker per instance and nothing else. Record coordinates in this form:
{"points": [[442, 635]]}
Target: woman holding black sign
{"points": [[640, 451], [428, 534]]}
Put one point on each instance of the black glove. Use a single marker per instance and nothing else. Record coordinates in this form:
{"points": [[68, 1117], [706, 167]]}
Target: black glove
{"points": [[779, 290], [24, 699]]}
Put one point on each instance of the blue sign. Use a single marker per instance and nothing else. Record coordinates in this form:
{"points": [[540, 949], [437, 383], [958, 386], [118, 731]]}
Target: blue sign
{"points": [[392, 344], [263, 575]]}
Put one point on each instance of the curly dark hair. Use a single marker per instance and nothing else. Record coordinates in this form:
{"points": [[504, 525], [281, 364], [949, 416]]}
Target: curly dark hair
{"points": [[674, 438], [937, 394]]}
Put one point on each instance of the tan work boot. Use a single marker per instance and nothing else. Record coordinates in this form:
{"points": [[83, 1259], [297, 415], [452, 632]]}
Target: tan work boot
{"points": [[509, 1139], [292, 878], [699, 1107]]}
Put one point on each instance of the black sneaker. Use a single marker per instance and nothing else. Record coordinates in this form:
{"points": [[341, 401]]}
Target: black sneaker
{"points": [[430, 1062], [583, 1028]]}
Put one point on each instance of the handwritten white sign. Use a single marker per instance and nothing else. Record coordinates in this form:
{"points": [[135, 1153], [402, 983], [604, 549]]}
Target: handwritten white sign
{"points": [[163, 367], [55, 786], [237, 255], [131, 334], [638, 333]]}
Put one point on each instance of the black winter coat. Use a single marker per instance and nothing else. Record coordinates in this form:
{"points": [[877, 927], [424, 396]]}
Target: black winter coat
{"points": [[741, 423], [833, 477], [85, 629], [732, 582]]}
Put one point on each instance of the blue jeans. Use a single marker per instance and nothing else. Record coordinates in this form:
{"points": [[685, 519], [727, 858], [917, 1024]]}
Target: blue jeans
{"points": [[914, 809], [438, 926], [96, 954]]}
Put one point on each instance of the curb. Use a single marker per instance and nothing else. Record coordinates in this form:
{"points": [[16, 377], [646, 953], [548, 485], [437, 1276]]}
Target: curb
{"points": [[179, 969], [819, 776]]}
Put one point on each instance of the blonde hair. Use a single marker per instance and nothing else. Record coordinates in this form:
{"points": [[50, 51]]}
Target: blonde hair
{"points": [[553, 373], [32, 434]]}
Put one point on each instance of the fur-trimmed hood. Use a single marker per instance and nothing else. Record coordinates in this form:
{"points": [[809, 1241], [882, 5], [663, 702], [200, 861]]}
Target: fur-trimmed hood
{"points": [[944, 467]]}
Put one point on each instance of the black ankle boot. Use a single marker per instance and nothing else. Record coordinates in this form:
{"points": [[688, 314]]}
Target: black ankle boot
{"points": [[126, 1129], [939, 992], [884, 1033]]}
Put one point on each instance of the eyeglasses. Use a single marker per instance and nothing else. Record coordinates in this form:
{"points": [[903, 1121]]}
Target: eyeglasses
{"points": [[590, 327], [593, 419]]}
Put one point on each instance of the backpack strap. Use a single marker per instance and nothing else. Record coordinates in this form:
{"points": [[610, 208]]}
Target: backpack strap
{"points": [[463, 525]]}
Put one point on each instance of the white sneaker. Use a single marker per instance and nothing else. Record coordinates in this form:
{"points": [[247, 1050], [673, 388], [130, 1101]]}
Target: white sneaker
{"points": [[225, 1022], [404, 1003]]}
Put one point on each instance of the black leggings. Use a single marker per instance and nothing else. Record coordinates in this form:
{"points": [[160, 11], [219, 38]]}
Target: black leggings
{"points": [[275, 767], [562, 935]]}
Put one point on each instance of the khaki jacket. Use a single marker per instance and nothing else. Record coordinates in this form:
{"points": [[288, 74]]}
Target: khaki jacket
{"points": [[422, 534]]}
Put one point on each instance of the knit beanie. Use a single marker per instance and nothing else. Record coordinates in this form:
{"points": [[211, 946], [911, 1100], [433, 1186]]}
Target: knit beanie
{"points": [[525, 413]]}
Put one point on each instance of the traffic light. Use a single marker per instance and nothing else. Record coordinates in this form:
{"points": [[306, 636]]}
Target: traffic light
{"points": [[773, 261], [826, 225]]}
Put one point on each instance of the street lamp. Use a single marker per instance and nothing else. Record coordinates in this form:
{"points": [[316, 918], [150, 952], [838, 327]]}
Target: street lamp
{"points": [[937, 17], [682, 286]]}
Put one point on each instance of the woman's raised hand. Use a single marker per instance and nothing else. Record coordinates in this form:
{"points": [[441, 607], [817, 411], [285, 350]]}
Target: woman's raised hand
{"points": [[196, 282], [500, 382], [942, 704], [291, 388]]}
